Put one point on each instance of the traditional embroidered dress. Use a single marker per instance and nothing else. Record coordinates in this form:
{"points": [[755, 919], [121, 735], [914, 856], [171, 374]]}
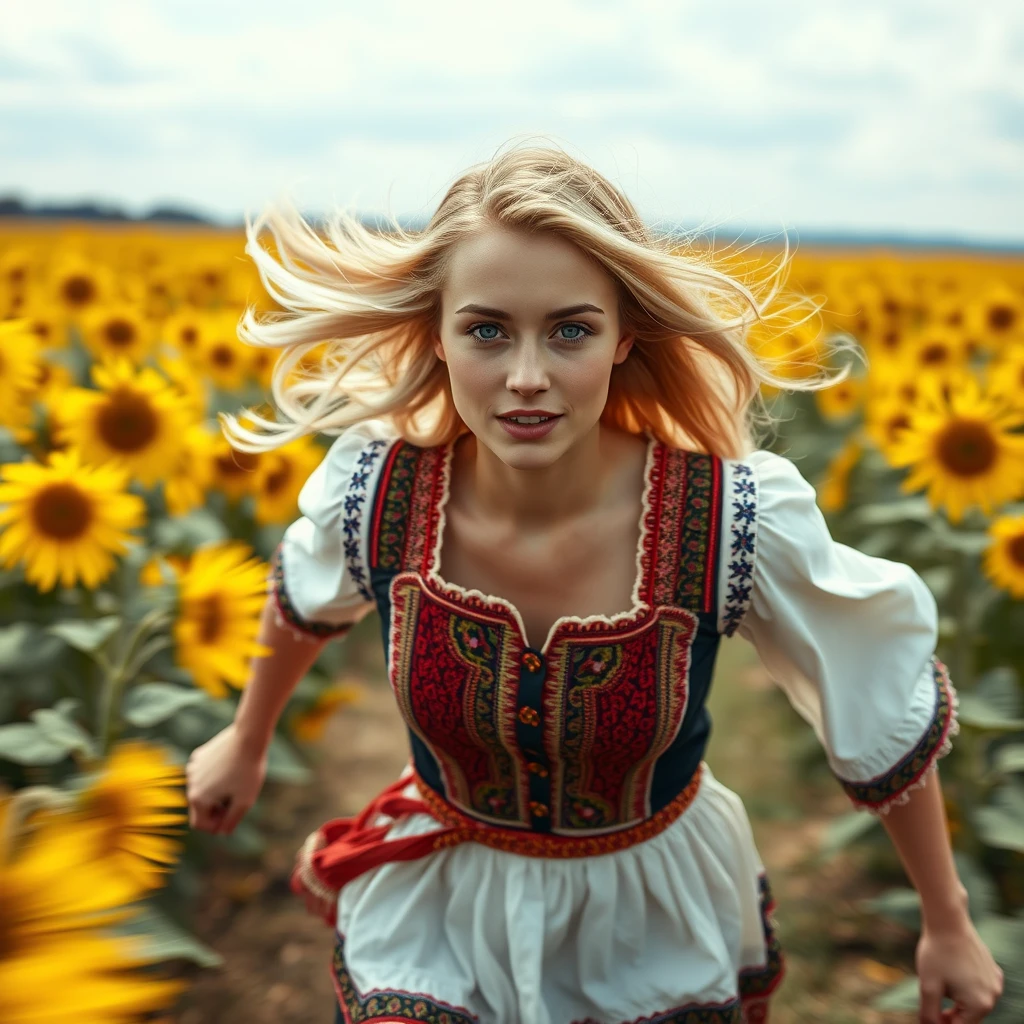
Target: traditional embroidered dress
{"points": [[557, 851]]}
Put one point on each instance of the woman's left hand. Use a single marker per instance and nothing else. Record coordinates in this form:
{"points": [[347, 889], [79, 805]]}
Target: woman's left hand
{"points": [[954, 962]]}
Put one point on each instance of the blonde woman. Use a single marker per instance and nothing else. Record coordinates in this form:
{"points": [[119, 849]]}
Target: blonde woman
{"points": [[544, 482]]}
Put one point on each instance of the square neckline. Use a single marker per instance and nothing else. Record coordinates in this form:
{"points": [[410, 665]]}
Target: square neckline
{"points": [[643, 560]]}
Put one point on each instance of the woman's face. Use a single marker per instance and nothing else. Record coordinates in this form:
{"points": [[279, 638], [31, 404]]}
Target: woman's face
{"points": [[528, 322]]}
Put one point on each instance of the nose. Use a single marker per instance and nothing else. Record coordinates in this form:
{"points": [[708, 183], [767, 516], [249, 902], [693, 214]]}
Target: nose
{"points": [[527, 372]]}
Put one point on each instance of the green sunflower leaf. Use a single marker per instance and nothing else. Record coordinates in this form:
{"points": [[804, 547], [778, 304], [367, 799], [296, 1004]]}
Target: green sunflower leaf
{"points": [[149, 704]]}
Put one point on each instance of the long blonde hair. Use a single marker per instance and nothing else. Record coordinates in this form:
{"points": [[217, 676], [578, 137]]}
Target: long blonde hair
{"points": [[369, 301]]}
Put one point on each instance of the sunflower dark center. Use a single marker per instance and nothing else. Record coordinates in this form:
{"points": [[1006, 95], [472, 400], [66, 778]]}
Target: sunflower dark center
{"points": [[127, 422], [188, 336], [62, 512], [934, 353], [967, 449], [222, 356], [897, 423], [120, 333], [891, 338], [42, 330], [276, 481], [955, 317], [236, 462], [1016, 550], [79, 290], [209, 617], [1001, 318]]}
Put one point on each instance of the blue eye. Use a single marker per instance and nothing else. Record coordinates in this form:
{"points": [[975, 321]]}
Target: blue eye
{"points": [[586, 332]]}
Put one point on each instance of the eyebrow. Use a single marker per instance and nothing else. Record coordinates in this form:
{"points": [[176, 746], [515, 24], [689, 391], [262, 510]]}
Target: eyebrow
{"points": [[499, 314]]}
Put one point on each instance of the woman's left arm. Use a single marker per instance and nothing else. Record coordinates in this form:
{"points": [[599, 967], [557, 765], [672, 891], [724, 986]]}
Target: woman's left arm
{"points": [[951, 958]]}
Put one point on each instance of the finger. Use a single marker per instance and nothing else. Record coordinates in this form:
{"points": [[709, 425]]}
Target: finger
{"points": [[231, 820], [931, 1005]]}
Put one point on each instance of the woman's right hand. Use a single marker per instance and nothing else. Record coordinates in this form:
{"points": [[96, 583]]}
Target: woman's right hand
{"points": [[225, 777]]}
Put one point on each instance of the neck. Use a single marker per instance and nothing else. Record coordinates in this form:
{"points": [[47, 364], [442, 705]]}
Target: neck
{"points": [[532, 500]]}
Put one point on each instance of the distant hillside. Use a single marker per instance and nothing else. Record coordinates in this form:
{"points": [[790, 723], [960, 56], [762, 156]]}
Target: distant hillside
{"points": [[12, 206]]}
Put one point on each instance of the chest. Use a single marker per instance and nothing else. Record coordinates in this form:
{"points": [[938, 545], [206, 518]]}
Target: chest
{"points": [[588, 568]]}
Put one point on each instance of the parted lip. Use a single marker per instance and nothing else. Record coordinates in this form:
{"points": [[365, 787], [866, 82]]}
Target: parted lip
{"points": [[527, 412]]}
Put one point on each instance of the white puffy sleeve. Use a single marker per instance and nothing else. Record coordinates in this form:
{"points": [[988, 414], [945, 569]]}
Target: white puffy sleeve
{"points": [[849, 637], [319, 575]]}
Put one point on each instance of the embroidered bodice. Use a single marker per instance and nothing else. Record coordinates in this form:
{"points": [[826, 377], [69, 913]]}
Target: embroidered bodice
{"points": [[606, 723]]}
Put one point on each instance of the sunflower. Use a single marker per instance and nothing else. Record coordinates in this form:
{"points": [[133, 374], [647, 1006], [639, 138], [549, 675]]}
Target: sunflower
{"points": [[223, 358], [938, 350], [833, 491], [192, 476], [152, 573], [187, 383], [19, 373], [55, 963], [234, 471], [1003, 561], [1005, 376], [77, 285], [115, 330], [65, 520], [308, 726], [959, 445], [840, 401], [135, 422], [998, 313], [279, 478], [183, 331], [222, 594], [137, 800]]}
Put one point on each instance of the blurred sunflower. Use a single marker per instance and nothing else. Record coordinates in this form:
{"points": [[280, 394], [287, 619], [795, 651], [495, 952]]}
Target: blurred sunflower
{"points": [[222, 593], [151, 576], [64, 520], [1003, 562], [191, 476], [57, 894], [308, 726], [1005, 376], [279, 478], [841, 401], [44, 323], [998, 313], [135, 421], [937, 349], [223, 358], [261, 365], [78, 284], [115, 330], [234, 471], [183, 331], [959, 445], [833, 491], [19, 371], [137, 801], [187, 383]]}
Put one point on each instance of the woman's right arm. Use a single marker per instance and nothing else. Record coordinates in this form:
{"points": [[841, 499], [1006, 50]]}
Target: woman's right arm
{"points": [[226, 774]]}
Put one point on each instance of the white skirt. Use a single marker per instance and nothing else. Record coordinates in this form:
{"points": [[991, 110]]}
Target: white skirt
{"points": [[677, 929]]}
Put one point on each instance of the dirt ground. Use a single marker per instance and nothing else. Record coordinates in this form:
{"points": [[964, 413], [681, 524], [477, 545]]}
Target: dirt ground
{"points": [[276, 955]]}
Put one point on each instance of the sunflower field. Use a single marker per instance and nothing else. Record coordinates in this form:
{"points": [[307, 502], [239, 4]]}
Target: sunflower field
{"points": [[135, 546]]}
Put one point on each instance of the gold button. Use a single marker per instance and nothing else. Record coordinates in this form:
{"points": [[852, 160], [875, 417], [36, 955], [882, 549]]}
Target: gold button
{"points": [[528, 716], [538, 769], [538, 810], [531, 661]]}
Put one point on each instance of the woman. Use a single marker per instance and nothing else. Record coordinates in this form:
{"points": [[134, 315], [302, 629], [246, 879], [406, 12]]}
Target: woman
{"points": [[544, 484]]}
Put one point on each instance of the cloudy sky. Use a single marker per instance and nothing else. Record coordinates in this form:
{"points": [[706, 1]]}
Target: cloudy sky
{"points": [[799, 114]]}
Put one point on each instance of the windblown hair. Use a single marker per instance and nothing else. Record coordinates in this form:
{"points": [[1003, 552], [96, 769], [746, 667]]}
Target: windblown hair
{"points": [[369, 303]]}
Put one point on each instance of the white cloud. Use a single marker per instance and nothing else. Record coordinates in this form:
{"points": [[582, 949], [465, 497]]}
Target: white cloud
{"points": [[806, 113]]}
